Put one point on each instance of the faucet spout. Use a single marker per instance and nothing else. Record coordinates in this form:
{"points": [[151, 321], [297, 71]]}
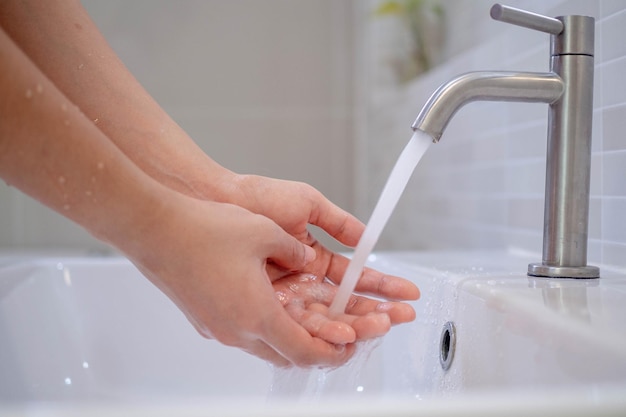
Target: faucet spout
{"points": [[568, 89], [485, 86]]}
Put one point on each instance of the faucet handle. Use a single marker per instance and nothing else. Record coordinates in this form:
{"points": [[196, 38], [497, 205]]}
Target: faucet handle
{"points": [[526, 19]]}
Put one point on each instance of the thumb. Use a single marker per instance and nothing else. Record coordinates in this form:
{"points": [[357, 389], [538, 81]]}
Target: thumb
{"points": [[289, 253]]}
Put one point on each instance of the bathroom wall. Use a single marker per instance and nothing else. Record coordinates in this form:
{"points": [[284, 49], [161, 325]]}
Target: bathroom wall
{"points": [[482, 186], [299, 90], [263, 86]]}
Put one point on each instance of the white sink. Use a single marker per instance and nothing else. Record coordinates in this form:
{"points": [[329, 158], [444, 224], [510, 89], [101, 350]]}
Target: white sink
{"points": [[512, 331], [85, 336]]}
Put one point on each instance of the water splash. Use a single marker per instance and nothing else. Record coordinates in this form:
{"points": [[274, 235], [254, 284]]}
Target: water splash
{"points": [[309, 385], [387, 201]]}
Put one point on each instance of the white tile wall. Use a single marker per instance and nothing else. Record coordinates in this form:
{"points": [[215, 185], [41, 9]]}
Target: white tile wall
{"points": [[482, 186], [262, 86]]}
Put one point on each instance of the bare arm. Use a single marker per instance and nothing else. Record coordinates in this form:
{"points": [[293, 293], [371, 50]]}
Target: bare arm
{"points": [[51, 151], [84, 67], [209, 258], [62, 40]]}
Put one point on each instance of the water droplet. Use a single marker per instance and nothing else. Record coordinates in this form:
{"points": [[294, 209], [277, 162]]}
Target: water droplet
{"points": [[59, 266], [85, 365], [61, 179], [88, 193], [64, 107], [66, 207], [66, 122], [96, 121], [39, 88], [81, 66], [68, 381], [100, 166], [29, 93], [360, 388]]}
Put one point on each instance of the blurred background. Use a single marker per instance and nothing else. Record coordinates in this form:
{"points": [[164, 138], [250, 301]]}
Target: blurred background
{"points": [[325, 91]]}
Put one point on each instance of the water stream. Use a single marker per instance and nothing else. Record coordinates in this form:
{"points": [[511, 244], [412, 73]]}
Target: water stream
{"points": [[310, 384], [387, 201]]}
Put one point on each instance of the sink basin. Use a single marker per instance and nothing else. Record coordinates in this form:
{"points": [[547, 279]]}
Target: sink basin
{"points": [[513, 332], [85, 335]]}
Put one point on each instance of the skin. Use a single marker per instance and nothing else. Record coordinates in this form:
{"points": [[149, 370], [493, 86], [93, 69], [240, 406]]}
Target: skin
{"points": [[80, 134]]}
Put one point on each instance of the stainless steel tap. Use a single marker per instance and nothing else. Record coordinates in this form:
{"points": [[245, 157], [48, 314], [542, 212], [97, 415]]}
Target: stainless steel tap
{"points": [[568, 89]]}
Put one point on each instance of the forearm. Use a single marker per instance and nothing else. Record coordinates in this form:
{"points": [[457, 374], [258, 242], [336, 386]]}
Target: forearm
{"points": [[51, 151], [62, 40]]}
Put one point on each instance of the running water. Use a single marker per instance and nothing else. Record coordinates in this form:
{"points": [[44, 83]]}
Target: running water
{"points": [[310, 385], [394, 187]]}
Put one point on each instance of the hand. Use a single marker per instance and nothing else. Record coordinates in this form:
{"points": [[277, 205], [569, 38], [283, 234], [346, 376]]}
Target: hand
{"points": [[210, 259], [293, 206], [307, 297]]}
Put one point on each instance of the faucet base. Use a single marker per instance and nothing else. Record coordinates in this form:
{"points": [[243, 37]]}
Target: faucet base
{"points": [[580, 272]]}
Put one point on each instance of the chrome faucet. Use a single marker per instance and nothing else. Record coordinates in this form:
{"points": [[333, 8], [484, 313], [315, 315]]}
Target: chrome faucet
{"points": [[568, 89]]}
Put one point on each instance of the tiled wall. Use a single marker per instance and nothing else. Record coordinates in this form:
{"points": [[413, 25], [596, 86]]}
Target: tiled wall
{"points": [[482, 186], [262, 86]]}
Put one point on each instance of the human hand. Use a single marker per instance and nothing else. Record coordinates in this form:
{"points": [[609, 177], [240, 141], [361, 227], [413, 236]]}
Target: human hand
{"points": [[307, 298], [210, 259], [295, 205]]}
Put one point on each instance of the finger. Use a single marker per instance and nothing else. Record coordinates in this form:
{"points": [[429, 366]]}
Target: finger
{"points": [[374, 282], [295, 343], [398, 312], [324, 293], [368, 326], [288, 252], [335, 221], [371, 326], [320, 325]]}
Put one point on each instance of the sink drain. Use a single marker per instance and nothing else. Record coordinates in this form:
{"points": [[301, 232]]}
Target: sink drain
{"points": [[447, 345]]}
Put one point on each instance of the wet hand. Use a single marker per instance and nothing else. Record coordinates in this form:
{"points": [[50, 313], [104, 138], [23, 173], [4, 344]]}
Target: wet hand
{"points": [[307, 298], [295, 205], [210, 259]]}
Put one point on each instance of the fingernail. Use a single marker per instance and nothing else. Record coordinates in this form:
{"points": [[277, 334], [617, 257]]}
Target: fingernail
{"points": [[384, 307], [340, 348], [310, 254]]}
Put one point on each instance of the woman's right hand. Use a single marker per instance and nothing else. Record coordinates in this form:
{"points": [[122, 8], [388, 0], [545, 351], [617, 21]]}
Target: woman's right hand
{"points": [[211, 258]]}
